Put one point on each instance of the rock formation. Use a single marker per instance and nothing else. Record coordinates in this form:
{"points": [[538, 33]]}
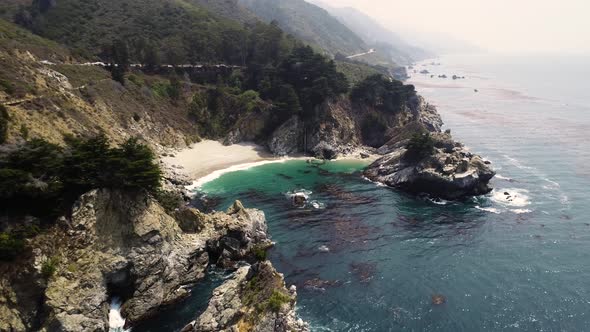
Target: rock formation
{"points": [[449, 171], [121, 245], [255, 299]]}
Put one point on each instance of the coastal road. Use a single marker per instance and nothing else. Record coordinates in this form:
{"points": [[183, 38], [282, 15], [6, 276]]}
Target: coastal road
{"points": [[361, 54]]}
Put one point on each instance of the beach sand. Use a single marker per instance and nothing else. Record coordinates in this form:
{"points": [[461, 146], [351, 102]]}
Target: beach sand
{"points": [[205, 157], [207, 160]]}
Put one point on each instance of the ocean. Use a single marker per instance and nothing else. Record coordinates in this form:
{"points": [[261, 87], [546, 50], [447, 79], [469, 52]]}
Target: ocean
{"points": [[369, 258]]}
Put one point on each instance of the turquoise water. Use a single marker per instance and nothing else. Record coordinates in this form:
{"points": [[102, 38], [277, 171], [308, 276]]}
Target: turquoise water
{"points": [[372, 259]]}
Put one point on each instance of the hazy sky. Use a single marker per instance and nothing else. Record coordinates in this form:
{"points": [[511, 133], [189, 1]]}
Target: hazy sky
{"points": [[513, 26]]}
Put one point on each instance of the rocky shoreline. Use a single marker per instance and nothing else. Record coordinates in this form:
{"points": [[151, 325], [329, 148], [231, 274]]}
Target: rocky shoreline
{"points": [[127, 246]]}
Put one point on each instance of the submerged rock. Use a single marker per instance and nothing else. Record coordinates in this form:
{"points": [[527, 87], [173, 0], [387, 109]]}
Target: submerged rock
{"points": [[438, 299], [449, 172]]}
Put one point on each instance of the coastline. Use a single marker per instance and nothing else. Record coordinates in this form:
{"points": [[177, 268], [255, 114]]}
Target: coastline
{"points": [[208, 156], [208, 160]]}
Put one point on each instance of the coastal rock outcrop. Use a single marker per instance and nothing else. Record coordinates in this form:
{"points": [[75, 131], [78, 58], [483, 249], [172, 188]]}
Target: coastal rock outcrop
{"points": [[449, 171], [122, 245], [286, 139], [254, 299]]}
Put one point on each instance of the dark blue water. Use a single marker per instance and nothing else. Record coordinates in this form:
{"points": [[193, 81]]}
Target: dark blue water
{"points": [[373, 259]]}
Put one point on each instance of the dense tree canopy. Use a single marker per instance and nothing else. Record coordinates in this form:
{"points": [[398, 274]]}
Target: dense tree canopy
{"points": [[382, 93], [40, 178]]}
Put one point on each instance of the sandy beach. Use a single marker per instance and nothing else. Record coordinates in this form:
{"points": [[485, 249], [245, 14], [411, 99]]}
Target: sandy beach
{"points": [[205, 157], [207, 160]]}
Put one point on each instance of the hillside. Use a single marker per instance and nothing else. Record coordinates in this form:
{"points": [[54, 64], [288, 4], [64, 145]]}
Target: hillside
{"points": [[309, 23], [179, 31], [374, 34], [229, 9]]}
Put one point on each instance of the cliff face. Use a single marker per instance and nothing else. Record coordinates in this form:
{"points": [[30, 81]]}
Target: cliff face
{"points": [[126, 246], [254, 299], [342, 128], [449, 172]]}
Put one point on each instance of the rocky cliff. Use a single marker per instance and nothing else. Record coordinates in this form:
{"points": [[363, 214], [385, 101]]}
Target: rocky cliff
{"points": [[122, 245], [448, 171], [254, 299]]}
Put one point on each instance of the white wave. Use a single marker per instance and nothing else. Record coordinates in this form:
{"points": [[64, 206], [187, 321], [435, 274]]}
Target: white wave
{"points": [[300, 192], [197, 184], [501, 177], [317, 205], [553, 183], [488, 209], [323, 248], [511, 197], [438, 201], [116, 321], [521, 211], [515, 162], [378, 184]]}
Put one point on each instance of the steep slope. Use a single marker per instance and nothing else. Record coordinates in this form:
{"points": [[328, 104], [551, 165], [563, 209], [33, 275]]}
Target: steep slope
{"points": [[309, 23], [229, 9], [376, 35], [48, 101], [180, 30]]}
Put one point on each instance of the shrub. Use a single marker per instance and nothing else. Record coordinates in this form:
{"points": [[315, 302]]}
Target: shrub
{"points": [[49, 267], [174, 89], [420, 145], [276, 300], [198, 105], [259, 253], [10, 246], [135, 80], [160, 89], [169, 200], [24, 131], [7, 87]]}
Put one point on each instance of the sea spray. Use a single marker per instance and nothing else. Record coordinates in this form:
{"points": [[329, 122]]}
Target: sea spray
{"points": [[116, 321]]}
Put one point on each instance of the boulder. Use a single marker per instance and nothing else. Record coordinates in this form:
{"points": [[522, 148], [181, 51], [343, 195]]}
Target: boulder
{"points": [[190, 220]]}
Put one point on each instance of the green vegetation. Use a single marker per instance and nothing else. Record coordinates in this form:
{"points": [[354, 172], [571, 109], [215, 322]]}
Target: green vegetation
{"points": [[173, 32], [373, 128], [4, 118], [13, 37], [12, 242], [309, 23], [169, 200], [421, 145], [313, 77], [382, 93], [81, 75], [277, 299], [355, 72], [11, 246], [259, 253], [42, 179], [49, 267], [217, 109]]}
